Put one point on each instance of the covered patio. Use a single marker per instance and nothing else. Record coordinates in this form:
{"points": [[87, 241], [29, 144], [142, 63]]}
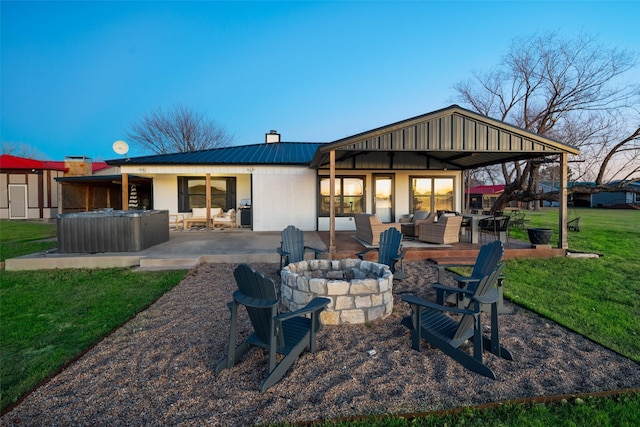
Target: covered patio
{"points": [[452, 139]]}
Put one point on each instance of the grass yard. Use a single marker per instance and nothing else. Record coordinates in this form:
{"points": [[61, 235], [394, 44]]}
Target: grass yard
{"points": [[601, 295], [623, 410], [19, 238]]}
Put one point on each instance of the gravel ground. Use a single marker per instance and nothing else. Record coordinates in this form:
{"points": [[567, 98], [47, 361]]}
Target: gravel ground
{"points": [[158, 368]]}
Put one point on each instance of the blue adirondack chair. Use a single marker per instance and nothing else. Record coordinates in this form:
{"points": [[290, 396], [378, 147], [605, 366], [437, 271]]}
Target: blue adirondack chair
{"points": [[292, 247], [430, 321], [389, 252], [288, 334], [487, 261]]}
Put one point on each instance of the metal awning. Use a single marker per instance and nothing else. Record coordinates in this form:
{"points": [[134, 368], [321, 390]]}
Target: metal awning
{"points": [[452, 138]]}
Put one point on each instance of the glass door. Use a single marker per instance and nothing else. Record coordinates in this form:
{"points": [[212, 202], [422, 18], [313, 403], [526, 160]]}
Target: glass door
{"points": [[383, 197]]}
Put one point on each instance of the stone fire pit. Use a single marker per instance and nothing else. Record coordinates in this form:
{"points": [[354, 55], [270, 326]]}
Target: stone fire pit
{"points": [[360, 291]]}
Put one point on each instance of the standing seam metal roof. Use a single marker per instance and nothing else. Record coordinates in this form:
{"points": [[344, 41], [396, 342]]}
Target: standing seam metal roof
{"points": [[282, 153]]}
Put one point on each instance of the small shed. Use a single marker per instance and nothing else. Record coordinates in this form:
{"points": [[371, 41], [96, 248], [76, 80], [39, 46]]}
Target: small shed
{"points": [[27, 187]]}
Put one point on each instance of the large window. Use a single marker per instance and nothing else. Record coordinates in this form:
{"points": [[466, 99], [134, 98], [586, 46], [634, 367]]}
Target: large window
{"points": [[349, 196], [192, 193], [431, 194]]}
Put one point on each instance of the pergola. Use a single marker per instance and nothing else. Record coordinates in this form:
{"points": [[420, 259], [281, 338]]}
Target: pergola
{"points": [[87, 193], [453, 138]]}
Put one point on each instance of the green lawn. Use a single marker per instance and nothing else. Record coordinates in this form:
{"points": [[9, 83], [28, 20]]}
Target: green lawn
{"points": [[601, 294], [621, 410], [25, 237]]}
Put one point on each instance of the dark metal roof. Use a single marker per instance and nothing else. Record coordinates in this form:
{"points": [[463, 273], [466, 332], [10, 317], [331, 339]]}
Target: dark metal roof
{"points": [[276, 153]]}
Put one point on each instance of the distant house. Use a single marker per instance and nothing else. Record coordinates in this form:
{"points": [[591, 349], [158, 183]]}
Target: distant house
{"points": [[628, 198], [482, 197], [28, 187], [390, 171]]}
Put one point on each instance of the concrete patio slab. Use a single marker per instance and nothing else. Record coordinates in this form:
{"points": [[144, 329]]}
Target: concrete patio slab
{"points": [[187, 249]]}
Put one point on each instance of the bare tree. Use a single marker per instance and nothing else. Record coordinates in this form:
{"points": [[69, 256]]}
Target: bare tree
{"points": [[568, 90], [180, 129], [21, 150]]}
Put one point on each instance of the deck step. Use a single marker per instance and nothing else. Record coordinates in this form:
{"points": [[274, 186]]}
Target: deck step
{"points": [[453, 260]]}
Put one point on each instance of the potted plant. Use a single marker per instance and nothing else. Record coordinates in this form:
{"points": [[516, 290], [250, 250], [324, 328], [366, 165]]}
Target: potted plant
{"points": [[539, 236]]}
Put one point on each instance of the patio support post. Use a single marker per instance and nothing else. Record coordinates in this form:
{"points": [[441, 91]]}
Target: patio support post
{"points": [[60, 198], [562, 225], [332, 203], [466, 194], [207, 193], [125, 191]]}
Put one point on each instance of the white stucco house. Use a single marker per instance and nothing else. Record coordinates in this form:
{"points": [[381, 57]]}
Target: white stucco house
{"points": [[393, 170]]}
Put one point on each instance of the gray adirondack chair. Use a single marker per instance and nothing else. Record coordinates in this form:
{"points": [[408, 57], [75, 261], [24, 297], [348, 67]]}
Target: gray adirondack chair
{"points": [[389, 252], [292, 247], [487, 261], [429, 321], [288, 334]]}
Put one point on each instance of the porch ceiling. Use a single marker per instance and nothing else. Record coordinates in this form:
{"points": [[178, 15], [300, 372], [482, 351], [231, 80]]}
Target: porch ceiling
{"points": [[451, 138]]}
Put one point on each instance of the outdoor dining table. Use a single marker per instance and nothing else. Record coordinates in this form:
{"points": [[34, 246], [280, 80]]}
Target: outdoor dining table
{"points": [[475, 225]]}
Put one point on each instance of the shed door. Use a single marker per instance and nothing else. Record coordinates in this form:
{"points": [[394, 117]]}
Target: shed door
{"points": [[17, 201]]}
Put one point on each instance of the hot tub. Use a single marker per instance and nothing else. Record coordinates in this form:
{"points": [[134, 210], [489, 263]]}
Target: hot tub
{"points": [[360, 291], [111, 230]]}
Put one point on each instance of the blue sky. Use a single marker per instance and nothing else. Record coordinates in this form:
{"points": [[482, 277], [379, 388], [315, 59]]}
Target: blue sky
{"points": [[76, 75]]}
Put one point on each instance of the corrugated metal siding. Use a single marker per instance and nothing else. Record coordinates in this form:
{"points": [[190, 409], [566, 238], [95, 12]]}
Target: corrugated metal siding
{"points": [[447, 133]]}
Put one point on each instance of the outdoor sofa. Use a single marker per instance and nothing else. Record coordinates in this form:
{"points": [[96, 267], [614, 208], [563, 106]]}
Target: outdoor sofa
{"points": [[369, 227], [445, 231]]}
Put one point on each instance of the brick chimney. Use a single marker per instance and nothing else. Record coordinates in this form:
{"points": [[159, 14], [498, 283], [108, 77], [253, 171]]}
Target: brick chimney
{"points": [[78, 166]]}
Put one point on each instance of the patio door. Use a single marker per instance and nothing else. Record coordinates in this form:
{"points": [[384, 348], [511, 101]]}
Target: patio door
{"points": [[17, 201], [383, 197]]}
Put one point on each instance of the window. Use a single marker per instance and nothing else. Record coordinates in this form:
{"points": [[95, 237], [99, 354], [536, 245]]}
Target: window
{"points": [[431, 194], [192, 193], [349, 196]]}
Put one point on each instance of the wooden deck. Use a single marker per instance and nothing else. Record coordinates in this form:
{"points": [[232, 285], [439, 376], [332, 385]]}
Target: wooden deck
{"points": [[459, 253]]}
